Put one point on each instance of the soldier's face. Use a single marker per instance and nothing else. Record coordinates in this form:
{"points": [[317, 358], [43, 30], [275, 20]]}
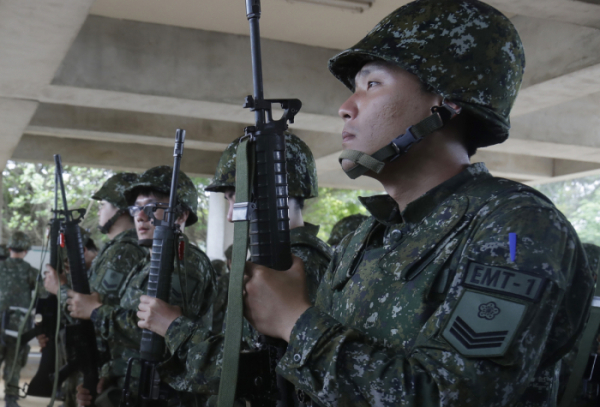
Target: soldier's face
{"points": [[143, 226], [106, 210], [387, 100]]}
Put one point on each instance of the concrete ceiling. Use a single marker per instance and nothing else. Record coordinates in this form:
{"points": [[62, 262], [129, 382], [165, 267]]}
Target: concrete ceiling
{"points": [[107, 82]]}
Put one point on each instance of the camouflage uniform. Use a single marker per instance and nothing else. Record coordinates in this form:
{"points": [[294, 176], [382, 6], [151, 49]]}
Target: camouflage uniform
{"points": [[117, 257], [196, 351], [343, 227], [413, 311], [3, 252], [472, 294], [18, 282], [588, 393], [192, 288], [199, 373], [68, 389]]}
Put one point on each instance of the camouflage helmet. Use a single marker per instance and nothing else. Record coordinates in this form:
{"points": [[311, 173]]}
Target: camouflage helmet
{"points": [[159, 179], [301, 168], [19, 241], [4, 253], [113, 189], [464, 50], [343, 227]]}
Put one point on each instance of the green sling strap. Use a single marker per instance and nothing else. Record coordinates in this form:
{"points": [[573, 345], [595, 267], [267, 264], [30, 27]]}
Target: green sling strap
{"points": [[235, 303], [585, 346], [376, 161]]}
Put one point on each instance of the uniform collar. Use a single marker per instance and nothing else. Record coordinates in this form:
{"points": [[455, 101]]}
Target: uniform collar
{"points": [[308, 228], [385, 210]]}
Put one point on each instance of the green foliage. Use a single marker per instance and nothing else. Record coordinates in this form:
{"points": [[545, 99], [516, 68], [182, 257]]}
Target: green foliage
{"points": [[332, 205], [579, 200], [28, 191], [197, 232]]}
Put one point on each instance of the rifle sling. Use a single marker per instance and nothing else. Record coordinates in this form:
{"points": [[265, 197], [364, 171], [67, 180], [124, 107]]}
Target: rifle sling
{"points": [[235, 303]]}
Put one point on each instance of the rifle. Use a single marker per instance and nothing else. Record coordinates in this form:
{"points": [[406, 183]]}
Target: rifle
{"points": [[152, 346], [269, 232], [41, 384], [82, 352]]}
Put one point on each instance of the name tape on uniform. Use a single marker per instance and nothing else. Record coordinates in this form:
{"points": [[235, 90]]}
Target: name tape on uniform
{"points": [[504, 281]]}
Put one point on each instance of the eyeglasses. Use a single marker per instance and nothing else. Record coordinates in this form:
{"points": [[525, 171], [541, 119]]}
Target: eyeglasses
{"points": [[149, 209]]}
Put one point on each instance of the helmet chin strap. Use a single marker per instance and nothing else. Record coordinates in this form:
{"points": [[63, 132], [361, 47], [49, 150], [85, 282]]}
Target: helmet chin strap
{"points": [[440, 115], [105, 229]]}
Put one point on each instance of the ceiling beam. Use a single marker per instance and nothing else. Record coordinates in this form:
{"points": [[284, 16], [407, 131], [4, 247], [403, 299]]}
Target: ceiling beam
{"points": [[118, 156]]}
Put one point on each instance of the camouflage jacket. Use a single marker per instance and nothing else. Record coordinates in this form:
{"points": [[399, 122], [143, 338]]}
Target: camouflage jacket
{"points": [[118, 324], [587, 392], [112, 265], [18, 282], [199, 373], [433, 306]]}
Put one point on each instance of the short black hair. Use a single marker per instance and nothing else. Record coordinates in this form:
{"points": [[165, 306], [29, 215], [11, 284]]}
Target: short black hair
{"points": [[16, 250], [147, 191]]}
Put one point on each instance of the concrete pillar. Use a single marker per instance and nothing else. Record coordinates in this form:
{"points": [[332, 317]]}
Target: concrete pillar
{"points": [[220, 232]]}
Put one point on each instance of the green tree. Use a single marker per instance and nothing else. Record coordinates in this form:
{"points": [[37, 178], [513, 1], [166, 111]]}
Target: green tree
{"points": [[332, 205], [28, 191], [579, 200]]}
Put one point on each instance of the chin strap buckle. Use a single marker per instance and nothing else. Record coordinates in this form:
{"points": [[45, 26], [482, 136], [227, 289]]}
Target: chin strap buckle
{"points": [[446, 112]]}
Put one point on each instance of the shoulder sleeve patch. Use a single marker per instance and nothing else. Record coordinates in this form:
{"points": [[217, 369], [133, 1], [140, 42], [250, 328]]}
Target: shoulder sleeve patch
{"points": [[505, 281], [112, 280], [483, 325]]}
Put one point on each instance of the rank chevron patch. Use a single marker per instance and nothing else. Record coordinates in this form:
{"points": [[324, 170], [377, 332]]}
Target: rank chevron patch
{"points": [[483, 325], [473, 340]]}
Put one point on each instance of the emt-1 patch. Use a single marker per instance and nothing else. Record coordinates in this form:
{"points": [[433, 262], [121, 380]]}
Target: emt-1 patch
{"points": [[483, 325]]}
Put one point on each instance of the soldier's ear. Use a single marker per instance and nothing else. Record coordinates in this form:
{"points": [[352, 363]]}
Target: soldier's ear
{"points": [[183, 217]]}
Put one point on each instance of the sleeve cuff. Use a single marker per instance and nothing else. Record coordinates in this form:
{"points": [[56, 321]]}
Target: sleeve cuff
{"points": [[308, 330], [177, 333]]}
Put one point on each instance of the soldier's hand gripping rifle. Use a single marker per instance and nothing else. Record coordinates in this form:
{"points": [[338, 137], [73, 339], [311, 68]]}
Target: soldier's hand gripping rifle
{"points": [[152, 347], [266, 209], [80, 337], [41, 384]]}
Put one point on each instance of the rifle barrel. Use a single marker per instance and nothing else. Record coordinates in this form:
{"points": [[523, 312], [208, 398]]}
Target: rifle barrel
{"points": [[59, 171]]}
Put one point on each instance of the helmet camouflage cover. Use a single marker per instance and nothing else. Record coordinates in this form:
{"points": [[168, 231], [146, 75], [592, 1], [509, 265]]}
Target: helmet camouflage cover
{"points": [[114, 188], [159, 179], [343, 227], [301, 169], [19, 241], [464, 50]]}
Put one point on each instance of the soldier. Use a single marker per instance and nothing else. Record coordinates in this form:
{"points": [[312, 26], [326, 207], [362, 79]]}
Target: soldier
{"points": [[51, 284], [18, 282], [460, 289], [584, 387], [117, 257], [190, 297], [343, 227], [188, 374]]}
